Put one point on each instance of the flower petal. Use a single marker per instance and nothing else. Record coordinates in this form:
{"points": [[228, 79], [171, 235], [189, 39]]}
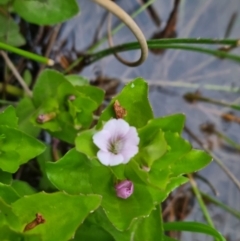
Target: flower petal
{"points": [[128, 152], [117, 128], [116, 159], [101, 140], [109, 159], [124, 189], [104, 157], [132, 136]]}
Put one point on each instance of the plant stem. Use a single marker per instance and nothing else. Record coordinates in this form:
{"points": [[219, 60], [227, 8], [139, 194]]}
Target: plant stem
{"points": [[7, 102], [158, 44], [228, 140], [26, 54], [216, 159], [104, 39], [194, 96], [180, 84], [16, 74], [221, 205], [12, 90], [200, 200], [233, 42]]}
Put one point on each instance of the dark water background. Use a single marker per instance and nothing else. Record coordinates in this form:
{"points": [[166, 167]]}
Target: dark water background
{"points": [[196, 18]]}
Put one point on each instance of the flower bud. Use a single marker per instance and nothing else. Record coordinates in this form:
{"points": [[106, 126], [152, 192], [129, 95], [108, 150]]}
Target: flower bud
{"points": [[72, 97], [124, 189], [42, 118]]}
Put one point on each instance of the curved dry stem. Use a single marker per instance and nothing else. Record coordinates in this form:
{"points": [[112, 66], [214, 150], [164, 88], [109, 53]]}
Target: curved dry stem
{"points": [[16, 74], [121, 14]]}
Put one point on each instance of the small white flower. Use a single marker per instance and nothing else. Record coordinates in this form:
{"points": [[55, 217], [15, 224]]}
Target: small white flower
{"points": [[117, 141]]}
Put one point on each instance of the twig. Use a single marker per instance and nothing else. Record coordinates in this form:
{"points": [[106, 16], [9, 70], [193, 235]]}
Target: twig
{"points": [[217, 160], [213, 189], [102, 40], [50, 45], [16, 74], [221, 205]]}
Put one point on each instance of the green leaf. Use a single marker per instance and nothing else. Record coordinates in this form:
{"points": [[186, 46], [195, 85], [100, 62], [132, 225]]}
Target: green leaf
{"points": [[8, 194], [173, 123], [84, 143], [9, 31], [193, 227], [48, 81], [160, 195], [159, 178], [50, 108], [22, 188], [192, 162], [71, 173], [27, 76], [177, 148], [77, 80], [134, 98], [90, 231], [9, 161], [7, 217], [2, 2], [5, 177], [8, 117], [42, 159], [25, 148], [46, 12], [7, 234], [64, 91], [134, 173], [67, 133], [81, 110], [62, 213], [118, 171], [150, 227], [92, 92], [153, 150], [121, 212], [100, 219], [25, 110]]}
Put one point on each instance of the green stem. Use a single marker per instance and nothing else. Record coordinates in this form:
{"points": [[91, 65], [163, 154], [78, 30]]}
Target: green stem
{"points": [[26, 54], [104, 39], [180, 84], [7, 102], [234, 42], [221, 205], [157, 44], [193, 96], [228, 140], [12, 90], [159, 209], [215, 158], [200, 201]]}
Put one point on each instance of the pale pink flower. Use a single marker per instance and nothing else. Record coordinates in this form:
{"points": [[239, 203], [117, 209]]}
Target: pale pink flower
{"points": [[117, 141], [124, 189]]}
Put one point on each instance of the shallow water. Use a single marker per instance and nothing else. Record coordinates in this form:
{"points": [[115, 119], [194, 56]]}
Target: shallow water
{"points": [[205, 18]]}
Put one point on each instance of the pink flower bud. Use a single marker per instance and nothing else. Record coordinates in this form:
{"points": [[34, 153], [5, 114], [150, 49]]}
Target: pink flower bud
{"points": [[124, 189], [72, 97]]}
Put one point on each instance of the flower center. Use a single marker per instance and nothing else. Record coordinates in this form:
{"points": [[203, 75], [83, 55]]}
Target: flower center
{"points": [[115, 146]]}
